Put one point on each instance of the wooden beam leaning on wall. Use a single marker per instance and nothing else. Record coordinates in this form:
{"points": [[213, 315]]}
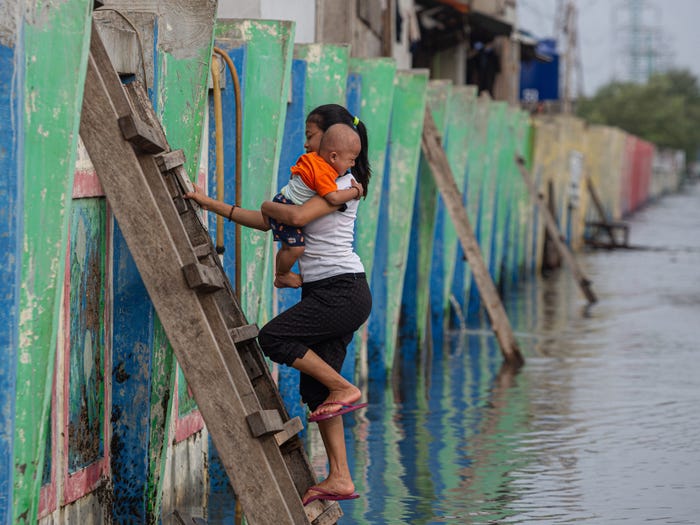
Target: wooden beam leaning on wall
{"points": [[556, 235], [440, 168]]}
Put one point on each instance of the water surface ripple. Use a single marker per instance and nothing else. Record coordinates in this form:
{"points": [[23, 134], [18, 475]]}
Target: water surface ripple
{"points": [[601, 426]]}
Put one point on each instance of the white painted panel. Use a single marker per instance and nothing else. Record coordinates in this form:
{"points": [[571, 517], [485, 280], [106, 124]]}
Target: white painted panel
{"points": [[303, 12]]}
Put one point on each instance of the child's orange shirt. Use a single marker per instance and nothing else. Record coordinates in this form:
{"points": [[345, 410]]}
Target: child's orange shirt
{"points": [[316, 173]]}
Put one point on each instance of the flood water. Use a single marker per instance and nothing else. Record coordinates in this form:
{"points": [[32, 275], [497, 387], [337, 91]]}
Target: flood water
{"points": [[601, 426]]}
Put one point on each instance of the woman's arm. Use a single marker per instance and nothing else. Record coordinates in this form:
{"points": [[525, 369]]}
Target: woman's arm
{"points": [[298, 216], [248, 218]]}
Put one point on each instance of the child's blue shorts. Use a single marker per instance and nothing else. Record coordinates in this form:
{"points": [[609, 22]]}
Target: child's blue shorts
{"points": [[289, 235]]}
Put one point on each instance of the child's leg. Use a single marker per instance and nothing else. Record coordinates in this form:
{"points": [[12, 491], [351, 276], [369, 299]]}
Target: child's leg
{"points": [[286, 257]]}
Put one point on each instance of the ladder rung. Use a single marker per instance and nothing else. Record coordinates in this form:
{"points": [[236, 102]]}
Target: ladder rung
{"points": [[265, 422], [140, 134], [182, 518], [202, 278], [202, 251], [170, 160], [244, 333], [323, 512], [291, 429]]}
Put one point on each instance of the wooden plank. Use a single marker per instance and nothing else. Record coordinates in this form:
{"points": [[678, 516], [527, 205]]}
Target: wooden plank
{"points": [[608, 226], [151, 225], [555, 235], [432, 149]]}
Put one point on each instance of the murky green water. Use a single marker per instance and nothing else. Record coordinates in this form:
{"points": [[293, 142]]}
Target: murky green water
{"points": [[601, 426]]}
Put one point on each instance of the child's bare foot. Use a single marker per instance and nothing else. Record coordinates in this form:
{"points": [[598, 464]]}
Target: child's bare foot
{"points": [[287, 280]]}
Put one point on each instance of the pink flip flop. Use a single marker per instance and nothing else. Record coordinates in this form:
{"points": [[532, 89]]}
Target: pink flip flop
{"points": [[326, 495], [346, 407]]}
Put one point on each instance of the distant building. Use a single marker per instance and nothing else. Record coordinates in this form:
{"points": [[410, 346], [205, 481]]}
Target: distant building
{"points": [[539, 73]]}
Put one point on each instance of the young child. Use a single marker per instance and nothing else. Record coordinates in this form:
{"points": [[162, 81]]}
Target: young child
{"points": [[314, 173]]}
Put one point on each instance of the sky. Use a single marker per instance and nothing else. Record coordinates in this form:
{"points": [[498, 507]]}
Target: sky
{"points": [[601, 28]]}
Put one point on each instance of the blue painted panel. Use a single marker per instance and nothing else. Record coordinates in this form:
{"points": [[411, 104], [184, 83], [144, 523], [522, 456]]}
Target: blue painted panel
{"points": [[11, 155], [133, 325], [353, 99], [408, 320], [353, 96], [458, 283], [376, 329], [132, 328], [437, 277], [474, 303], [292, 147]]}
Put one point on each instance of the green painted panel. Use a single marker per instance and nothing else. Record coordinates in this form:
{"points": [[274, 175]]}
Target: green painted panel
{"points": [[326, 73], [265, 85], [410, 94], [163, 372], [489, 178], [439, 95], [458, 138], [477, 167], [376, 97], [504, 189], [56, 42], [184, 54]]}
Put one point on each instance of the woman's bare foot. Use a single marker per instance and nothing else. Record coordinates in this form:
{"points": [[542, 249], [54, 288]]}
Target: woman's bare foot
{"points": [[287, 280], [336, 399], [337, 487]]}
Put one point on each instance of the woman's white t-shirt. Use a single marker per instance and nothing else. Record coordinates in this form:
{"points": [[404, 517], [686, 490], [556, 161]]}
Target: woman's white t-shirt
{"points": [[329, 242]]}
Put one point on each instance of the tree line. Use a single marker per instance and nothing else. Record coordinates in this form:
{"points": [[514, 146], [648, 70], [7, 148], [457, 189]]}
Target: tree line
{"points": [[665, 110]]}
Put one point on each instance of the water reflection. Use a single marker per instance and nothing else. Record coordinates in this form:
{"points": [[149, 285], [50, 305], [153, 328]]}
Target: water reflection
{"points": [[600, 426]]}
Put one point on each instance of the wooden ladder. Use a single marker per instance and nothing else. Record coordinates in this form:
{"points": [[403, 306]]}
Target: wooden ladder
{"points": [[216, 347]]}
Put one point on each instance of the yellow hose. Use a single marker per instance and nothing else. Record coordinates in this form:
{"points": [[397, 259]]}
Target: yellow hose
{"points": [[239, 135], [218, 119]]}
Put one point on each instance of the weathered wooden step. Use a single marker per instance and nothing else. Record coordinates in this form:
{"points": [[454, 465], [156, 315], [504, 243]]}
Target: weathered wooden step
{"points": [[244, 333], [140, 134]]}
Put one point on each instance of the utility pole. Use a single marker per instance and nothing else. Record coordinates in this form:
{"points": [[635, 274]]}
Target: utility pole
{"points": [[571, 56]]}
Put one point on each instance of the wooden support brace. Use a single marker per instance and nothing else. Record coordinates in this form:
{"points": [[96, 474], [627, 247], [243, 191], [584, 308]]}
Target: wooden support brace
{"points": [[202, 278], [291, 428], [554, 233], [265, 422], [442, 173], [141, 135], [244, 333]]}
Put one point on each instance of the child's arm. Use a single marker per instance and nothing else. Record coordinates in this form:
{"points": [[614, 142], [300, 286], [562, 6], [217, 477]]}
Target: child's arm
{"points": [[338, 197]]}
